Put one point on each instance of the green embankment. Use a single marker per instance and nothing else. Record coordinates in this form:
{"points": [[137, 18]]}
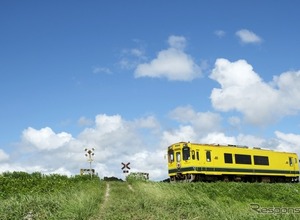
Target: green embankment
{"points": [[38, 197], [219, 200], [35, 196]]}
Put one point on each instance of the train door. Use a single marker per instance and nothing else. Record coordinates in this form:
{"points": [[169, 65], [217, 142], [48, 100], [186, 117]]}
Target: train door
{"points": [[178, 159], [208, 158], [292, 164]]}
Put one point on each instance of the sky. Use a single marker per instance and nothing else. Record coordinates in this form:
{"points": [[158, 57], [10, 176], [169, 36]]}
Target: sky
{"points": [[129, 78]]}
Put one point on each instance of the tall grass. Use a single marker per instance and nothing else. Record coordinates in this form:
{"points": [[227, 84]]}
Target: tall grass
{"points": [[35, 196], [219, 200]]}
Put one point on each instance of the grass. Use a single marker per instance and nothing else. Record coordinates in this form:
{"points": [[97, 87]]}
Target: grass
{"points": [[218, 200], [24, 196], [64, 198]]}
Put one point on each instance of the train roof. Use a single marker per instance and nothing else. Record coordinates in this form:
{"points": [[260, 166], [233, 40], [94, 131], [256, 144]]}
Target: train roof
{"points": [[232, 145]]}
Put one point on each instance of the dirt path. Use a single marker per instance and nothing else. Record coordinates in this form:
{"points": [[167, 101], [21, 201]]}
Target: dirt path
{"points": [[103, 204], [130, 187], [106, 195]]}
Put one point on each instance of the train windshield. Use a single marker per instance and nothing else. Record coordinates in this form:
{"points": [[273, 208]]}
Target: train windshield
{"points": [[185, 153], [178, 156], [171, 156]]}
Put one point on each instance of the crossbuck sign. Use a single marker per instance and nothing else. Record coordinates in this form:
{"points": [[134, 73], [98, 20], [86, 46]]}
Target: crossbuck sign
{"points": [[125, 167]]}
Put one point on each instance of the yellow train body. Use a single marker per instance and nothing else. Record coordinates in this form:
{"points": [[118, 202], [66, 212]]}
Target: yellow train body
{"points": [[205, 162]]}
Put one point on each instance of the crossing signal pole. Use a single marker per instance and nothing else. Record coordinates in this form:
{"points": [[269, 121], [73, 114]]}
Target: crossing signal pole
{"points": [[90, 154]]}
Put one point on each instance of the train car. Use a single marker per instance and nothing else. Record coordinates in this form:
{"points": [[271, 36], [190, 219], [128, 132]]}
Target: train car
{"points": [[209, 162]]}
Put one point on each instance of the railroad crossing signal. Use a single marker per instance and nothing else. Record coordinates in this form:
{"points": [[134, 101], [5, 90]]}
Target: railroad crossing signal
{"points": [[125, 167]]}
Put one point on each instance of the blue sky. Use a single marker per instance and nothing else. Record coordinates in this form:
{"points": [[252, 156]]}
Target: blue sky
{"points": [[130, 78]]}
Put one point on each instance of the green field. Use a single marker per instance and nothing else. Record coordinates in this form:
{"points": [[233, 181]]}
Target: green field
{"points": [[34, 196]]}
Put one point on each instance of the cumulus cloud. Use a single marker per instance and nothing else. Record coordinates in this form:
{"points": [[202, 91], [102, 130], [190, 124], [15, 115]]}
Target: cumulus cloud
{"points": [[248, 37], [111, 135], [152, 162], [177, 42], [45, 138], [172, 63], [117, 140], [218, 138], [241, 139], [234, 121], [3, 156], [244, 91], [250, 141], [147, 122], [203, 122], [288, 84], [183, 133], [288, 142]]}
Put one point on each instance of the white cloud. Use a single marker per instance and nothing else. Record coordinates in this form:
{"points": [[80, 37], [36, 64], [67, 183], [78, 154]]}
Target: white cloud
{"points": [[153, 163], [288, 84], [137, 52], [117, 140], [250, 141], [218, 138], [10, 167], [177, 42], [3, 156], [244, 91], [220, 33], [83, 121], [130, 58], [107, 124], [203, 122], [111, 136], [234, 121], [288, 142], [183, 133], [102, 70], [45, 138], [241, 139], [247, 36], [172, 63], [147, 122], [61, 171]]}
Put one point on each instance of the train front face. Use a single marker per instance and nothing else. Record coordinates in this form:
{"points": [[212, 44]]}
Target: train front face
{"points": [[179, 163]]}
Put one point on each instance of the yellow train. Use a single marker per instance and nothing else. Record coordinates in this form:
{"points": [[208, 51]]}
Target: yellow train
{"points": [[208, 162]]}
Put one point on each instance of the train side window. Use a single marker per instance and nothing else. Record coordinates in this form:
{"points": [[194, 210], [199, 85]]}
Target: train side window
{"points": [[261, 160], [171, 156], [178, 156], [193, 154], [291, 161], [208, 156], [242, 159], [228, 158], [197, 154], [185, 153]]}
